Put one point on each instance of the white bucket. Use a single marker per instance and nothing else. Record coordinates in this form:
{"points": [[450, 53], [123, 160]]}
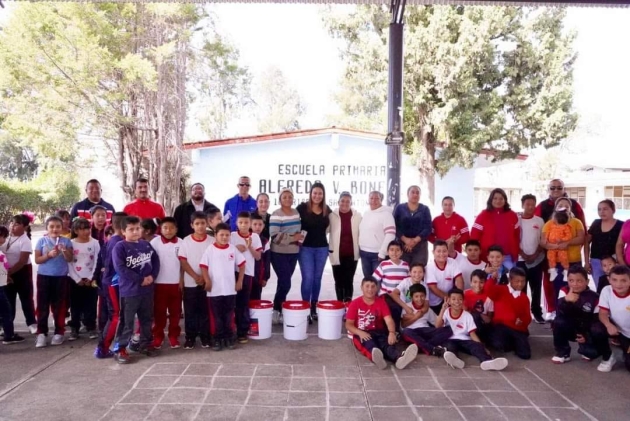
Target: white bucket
{"points": [[295, 316], [330, 319], [260, 312]]}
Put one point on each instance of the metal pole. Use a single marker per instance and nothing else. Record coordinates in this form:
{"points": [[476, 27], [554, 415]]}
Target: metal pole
{"points": [[394, 100]]}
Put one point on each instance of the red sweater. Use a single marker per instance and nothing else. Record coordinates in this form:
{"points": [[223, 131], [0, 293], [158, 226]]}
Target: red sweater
{"points": [[145, 209], [444, 228], [497, 227], [507, 308]]}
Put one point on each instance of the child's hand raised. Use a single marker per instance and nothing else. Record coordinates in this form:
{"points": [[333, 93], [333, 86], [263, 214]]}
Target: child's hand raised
{"points": [[571, 297]]}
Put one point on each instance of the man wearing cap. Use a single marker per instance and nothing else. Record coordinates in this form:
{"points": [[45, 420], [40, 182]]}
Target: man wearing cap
{"points": [[184, 211], [376, 231], [93, 191], [242, 202]]}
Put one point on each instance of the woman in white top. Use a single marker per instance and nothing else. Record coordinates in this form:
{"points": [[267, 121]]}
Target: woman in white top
{"points": [[344, 246], [18, 249]]}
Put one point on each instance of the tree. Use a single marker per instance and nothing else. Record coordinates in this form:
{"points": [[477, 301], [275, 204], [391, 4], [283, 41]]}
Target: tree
{"points": [[475, 78], [278, 103], [18, 162], [117, 71]]}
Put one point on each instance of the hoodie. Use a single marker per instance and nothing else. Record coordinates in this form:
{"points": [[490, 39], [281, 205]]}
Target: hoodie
{"points": [[377, 230], [133, 262]]}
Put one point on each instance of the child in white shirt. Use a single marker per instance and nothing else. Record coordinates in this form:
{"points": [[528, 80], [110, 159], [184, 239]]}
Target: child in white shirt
{"points": [[418, 327]]}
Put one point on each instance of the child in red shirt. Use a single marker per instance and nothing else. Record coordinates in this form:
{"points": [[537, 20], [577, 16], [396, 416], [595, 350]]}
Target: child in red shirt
{"points": [[373, 331], [477, 303]]}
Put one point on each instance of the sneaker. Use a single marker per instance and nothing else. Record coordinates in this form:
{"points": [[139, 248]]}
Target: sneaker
{"points": [[230, 343], [15, 339], [275, 317], [32, 329], [539, 319], [134, 346], [438, 351], [135, 337], [378, 359], [453, 361], [407, 357], [550, 317], [189, 344], [585, 358], [217, 345], [157, 344], [57, 340], [496, 364], [243, 340], [174, 343], [309, 319], [40, 342], [74, 335], [205, 343], [102, 353], [561, 359], [607, 365], [122, 356], [116, 347], [92, 334]]}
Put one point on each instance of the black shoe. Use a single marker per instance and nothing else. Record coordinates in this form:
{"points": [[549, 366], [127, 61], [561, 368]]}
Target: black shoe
{"points": [[15, 339], [539, 319], [309, 318], [149, 351], [230, 343], [314, 310], [134, 346], [189, 344], [217, 346], [438, 351], [205, 343]]}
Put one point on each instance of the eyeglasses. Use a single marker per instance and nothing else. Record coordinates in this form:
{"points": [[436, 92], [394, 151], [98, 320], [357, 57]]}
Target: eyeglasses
{"points": [[554, 188], [244, 185]]}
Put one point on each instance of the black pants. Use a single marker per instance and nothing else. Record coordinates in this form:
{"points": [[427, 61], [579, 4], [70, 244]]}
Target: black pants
{"points": [[505, 339], [343, 274], [533, 277], [22, 286], [52, 294], [469, 347], [5, 314], [483, 328], [142, 306], [437, 308], [625, 347], [379, 340], [395, 310], [103, 311], [83, 304], [427, 338], [242, 307], [222, 316], [565, 330], [196, 316]]}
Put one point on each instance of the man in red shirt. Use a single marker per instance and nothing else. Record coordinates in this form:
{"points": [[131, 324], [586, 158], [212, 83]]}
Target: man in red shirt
{"points": [[143, 207], [450, 224], [367, 319]]}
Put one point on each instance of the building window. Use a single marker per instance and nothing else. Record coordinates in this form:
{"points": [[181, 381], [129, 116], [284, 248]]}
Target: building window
{"points": [[481, 198], [620, 195], [577, 193]]}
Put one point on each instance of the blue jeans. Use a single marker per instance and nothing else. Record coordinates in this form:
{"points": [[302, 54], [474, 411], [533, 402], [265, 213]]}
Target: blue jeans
{"points": [[596, 271], [369, 262], [312, 261], [284, 266]]}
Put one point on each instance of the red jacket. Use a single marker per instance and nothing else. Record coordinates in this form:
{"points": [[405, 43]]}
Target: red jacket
{"points": [[497, 227], [145, 209], [444, 228], [507, 308]]}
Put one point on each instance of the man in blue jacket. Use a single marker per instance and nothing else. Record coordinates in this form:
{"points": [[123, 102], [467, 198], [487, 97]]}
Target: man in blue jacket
{"points": [[242, 202]]}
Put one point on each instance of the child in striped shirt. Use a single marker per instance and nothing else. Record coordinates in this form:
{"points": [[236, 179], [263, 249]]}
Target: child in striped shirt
{"points": [[389, 274]]}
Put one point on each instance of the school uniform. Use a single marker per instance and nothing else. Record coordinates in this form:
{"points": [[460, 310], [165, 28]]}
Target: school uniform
{"points": [[22, 285], [84, 298], [530, 243], [196, 316], [112, 299], [262, 270], [394, 308], [467, 267], [243, 296], [168, 298], [5, 307], [444, 278], [52, 285], [370, 318], [221, 261], [618, 307], [477, 304], [462, 326], [423, 332]]}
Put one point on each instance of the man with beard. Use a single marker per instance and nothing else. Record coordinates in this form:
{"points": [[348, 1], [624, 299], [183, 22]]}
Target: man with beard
{"points": [[143, 207], [184, 211]]}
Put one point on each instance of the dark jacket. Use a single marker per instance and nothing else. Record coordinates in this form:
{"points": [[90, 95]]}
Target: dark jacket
{"points": [[183, 213]]}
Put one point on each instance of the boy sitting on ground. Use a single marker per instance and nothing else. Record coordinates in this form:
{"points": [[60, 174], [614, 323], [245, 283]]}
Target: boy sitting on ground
{"points": [[402, 293], [369, 320], [477, 303], [417, 327], [613, 313]]}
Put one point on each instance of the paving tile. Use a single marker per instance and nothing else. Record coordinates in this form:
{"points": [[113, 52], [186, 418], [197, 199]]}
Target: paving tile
{"points": [[192, 381], [305, 414], [271, 383], [478, 373], [156, 382], [308, 371], [227, 397], [526, 382], [507, 399], [445, 371], [386, 398], [228, 370], [562, 414], [414, 370], [497, 384], [419, 383], [234, 383], [267, 398], [143, 396], [456, 383], [184, 396], [347, 399], [482, 414], [373, 371], [308, 384], [548, 400], [202, 369], [345, 385], [173, 412], [382, 383], [173, 369], [274, 371], [389, 414], [128, 412], [346, 372], [345, 414], [439, 414], [260, 413], [468, 399], [523, 414], [427, 398], [218, 413], [307, 399]]}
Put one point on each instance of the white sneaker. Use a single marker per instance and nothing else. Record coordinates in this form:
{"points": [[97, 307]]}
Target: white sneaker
{"points": [[452, 360], [275, 317], [550, 316], [378, 359], [57, 340], [607, 365], [40, 342], [558, 359], [407, 357], [32, 329], [497, 364]]}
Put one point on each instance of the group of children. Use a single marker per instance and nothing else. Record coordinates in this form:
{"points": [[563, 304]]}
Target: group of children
{"points": [[441, 312]]}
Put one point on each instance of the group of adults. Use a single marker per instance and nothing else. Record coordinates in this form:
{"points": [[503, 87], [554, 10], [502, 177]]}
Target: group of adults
{"points": [[312, 232]]}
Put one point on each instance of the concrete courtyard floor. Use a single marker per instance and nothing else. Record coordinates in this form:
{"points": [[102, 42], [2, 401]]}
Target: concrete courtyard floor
{"points": [[313, 379]]}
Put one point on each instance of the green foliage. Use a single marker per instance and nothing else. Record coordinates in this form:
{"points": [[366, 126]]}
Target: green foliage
{"points": [[278, 103], [18, 162]]}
